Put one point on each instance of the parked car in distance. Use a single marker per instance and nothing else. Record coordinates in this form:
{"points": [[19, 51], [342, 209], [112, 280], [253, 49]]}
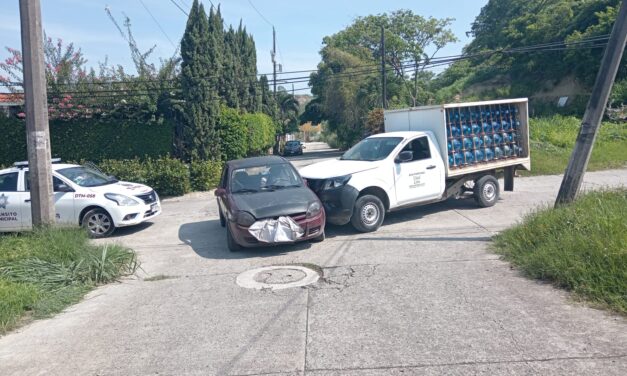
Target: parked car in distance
{"points": [[254, 190], [83, 196], [293, 148]]}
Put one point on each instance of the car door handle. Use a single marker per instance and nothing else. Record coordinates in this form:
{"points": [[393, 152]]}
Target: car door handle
{"points": [[27, 200], [430, 167]]}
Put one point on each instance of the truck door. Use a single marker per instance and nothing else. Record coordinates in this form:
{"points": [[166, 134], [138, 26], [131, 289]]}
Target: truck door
{"points": [[63, 198], [420, 179], [11, 202]]}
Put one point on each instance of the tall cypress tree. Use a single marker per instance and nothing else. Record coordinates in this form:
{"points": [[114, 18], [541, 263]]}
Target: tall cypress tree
{"points": [[268, 104], [254, 92], [231, 73], [200, 68]]}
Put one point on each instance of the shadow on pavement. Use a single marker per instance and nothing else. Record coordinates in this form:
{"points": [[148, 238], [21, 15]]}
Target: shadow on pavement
{"points": [[130, 230], [208, 240]]}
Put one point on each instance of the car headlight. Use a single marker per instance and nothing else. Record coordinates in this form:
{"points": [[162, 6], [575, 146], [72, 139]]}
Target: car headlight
{"points": [[244, 219], [121, 200], [314, 209], [336, 182]]}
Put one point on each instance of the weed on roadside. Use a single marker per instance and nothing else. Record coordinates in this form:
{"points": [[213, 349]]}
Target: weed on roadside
{"points": [[581, 247], [44, 271]]}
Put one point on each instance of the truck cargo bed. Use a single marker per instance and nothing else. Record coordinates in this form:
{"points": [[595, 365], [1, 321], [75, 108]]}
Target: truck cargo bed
{"points": [[473, 136]]}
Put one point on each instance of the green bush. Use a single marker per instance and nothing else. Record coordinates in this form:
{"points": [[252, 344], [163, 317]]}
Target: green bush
{"points": [[90, 140], [168, 176], [233, 134], [261, 131], [205, 175]]}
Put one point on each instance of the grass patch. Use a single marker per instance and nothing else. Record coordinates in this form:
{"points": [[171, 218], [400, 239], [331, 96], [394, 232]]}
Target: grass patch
{"points": [[581, 247], [44, 271], [553, 138]]}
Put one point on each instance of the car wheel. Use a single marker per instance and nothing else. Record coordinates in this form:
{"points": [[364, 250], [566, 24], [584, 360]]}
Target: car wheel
{"points": [[230, 241], [98, 223], [319, 238], [486, 191], [368, 213], [222, 219]]}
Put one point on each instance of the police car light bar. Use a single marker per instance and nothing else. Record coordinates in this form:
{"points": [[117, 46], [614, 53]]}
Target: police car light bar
{"points": [[23, 164]]}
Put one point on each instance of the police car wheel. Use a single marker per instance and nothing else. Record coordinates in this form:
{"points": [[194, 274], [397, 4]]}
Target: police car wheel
{"points": [[98, 223]]}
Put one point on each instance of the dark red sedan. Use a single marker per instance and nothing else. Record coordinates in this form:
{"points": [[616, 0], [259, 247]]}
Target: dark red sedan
{"points": [[264, 201]]}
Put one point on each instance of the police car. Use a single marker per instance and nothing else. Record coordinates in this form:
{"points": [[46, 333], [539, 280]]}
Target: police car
{"points": [[83, 196]]}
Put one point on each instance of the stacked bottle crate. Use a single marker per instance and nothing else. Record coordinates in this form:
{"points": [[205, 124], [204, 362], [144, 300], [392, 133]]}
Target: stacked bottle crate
{"points": [[480, 134]]}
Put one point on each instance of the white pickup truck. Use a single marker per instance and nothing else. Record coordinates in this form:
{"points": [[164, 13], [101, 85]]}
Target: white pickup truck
{"points": [[427, 154]]}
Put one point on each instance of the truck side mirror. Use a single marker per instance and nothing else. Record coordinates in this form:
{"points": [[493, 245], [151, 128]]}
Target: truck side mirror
{"points": [[404, 156]]}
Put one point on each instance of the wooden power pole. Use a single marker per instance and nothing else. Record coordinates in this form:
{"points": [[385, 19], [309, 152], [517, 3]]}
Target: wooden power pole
{"points": [[578, 162], [383, 81], [37, 132], [274, 60]]}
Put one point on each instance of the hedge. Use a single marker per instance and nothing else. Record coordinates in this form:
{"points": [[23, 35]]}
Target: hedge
{"points": [[168, 176], [89, 140], [261, 131]]}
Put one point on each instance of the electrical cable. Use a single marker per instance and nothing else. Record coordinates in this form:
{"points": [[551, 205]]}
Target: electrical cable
{"points": [[157, 22]]}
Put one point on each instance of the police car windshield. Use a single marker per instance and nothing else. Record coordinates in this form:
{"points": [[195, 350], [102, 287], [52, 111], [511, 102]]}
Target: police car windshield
{"points": [[372, 149], [86, 177]]}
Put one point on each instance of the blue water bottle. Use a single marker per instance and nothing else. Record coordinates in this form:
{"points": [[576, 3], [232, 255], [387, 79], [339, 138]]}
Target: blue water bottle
{"points": [[498, 152], [479, 156]]}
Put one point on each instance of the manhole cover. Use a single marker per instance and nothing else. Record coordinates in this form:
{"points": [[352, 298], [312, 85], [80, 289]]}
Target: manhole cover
{"points": [[277, 277]]}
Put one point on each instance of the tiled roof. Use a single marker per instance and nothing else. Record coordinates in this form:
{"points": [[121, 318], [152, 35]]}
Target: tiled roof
{"points": [[11, 98]]}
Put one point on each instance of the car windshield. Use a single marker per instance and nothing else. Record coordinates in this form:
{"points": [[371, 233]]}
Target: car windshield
{"points": [[264, 178], [372, 149], [86, 177], [292, 143]]}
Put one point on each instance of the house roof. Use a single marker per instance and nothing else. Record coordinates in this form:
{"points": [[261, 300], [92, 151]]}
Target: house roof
{"points": [[11, 98]]}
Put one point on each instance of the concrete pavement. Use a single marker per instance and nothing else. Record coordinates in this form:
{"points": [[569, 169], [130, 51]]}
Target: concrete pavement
{"points": [[423, 295]]}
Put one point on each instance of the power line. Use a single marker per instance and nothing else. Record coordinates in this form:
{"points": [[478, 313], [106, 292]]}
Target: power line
{"points": [[157, 22], [444, 60], [181, 9], [259, 13]]}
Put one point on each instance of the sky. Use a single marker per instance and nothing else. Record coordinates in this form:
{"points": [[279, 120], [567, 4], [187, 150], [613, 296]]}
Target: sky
{"points": [[300, 25]]}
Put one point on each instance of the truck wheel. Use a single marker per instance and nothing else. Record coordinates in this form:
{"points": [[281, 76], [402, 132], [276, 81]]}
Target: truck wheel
{"points": [[98, 223], [486, 191], [368, 213], [230, 241]]}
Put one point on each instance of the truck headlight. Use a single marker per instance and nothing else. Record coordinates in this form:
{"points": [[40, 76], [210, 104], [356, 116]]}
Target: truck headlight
{"points": [[121, 200], [336, 182], [314, 209], [244, 219]]}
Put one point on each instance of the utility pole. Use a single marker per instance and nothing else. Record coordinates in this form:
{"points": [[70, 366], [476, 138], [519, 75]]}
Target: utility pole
{"points": [[383, 82], [274, 60], [578, 162], [37, 132]]}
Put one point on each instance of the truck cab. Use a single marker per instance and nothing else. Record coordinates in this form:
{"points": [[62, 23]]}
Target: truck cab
{"points": [[381, 173]]}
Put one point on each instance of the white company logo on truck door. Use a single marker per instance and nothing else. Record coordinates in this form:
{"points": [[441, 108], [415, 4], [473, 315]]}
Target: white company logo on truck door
{"points": [[419, 179]]}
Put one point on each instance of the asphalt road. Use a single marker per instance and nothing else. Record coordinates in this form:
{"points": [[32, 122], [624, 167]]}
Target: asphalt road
{"points": [[423, 295]]}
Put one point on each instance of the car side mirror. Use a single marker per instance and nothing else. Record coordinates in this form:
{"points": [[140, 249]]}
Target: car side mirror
{"points": [[305, 182], [220, 192], [404, 156]]}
